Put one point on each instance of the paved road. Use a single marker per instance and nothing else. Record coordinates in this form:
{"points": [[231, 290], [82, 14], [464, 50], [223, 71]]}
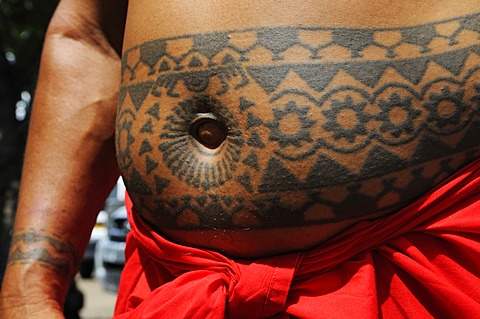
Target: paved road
{"points": [[98, 303]]}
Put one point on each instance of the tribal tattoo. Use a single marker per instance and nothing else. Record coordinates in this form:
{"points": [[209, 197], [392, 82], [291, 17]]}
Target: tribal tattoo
{"points": [[318, 124], [46, 250]]}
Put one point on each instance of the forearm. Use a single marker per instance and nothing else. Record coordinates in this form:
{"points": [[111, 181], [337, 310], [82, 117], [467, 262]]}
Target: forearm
{"points": [[69, 167], [69, 164]]}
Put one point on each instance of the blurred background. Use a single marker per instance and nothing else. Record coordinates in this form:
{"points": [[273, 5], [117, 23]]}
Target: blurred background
{"points": [[22, 29]]}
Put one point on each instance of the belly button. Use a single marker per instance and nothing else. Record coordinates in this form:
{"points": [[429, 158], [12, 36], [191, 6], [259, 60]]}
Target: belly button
{"points": [[208, 130]]}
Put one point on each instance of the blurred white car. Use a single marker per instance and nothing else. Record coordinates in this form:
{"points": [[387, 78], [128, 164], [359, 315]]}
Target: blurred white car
{"points": [[115, 199], [109, 251], [98, 232]]}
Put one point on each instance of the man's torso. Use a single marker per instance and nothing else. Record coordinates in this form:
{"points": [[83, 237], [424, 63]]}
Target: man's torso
{"points": [[257, 129]]}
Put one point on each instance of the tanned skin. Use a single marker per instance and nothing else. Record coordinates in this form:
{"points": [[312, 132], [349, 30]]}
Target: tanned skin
{"points": [[249, 127], [70, 164], [323, 116]]}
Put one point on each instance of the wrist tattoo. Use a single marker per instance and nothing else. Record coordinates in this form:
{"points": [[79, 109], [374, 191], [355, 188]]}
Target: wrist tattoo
{"points": [[44, 249]]}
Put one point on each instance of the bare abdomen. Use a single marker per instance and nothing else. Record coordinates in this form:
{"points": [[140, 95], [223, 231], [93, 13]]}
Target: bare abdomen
{"points": [[319, 127]]}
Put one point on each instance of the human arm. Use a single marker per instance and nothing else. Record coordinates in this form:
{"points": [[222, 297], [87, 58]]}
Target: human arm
{"points": [[70, 163]]}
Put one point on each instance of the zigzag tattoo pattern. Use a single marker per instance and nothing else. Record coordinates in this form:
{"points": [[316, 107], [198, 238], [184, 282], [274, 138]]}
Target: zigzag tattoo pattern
{"points": [[324, 124], [46, 250]]}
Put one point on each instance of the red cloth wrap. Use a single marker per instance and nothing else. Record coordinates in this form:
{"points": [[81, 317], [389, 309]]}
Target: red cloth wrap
{"points": [[421, 262]]}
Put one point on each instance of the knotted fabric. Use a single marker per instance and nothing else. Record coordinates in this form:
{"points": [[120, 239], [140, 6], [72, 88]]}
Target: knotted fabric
{"points": [[421, 262]]}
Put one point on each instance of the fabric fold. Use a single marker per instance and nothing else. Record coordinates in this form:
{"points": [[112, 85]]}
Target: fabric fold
{"points": [[262, 289], [421, 262]]}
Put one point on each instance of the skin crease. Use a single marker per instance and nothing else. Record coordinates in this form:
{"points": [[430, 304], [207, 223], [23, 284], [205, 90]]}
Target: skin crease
{"points": [[148, 149]]}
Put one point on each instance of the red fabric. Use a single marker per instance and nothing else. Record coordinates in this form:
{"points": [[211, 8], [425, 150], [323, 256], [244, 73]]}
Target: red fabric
{"points": [[422, 262]]}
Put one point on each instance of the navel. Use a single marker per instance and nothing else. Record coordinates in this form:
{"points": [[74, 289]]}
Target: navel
{"points": [[208, 130]]}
